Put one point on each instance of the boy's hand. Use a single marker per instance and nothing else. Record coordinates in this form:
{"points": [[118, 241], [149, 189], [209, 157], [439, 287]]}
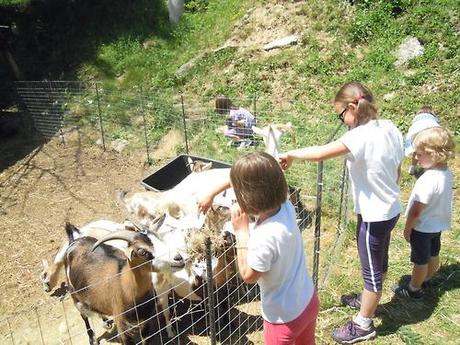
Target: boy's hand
{"points": [[407, 233], [240, 220]]}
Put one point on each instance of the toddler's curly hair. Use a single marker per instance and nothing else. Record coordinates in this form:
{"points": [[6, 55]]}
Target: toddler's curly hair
{"points": [[437, 142]]}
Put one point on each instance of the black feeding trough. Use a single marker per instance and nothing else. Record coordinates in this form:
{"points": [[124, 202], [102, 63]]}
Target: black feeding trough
{"points": [[175, 171]]}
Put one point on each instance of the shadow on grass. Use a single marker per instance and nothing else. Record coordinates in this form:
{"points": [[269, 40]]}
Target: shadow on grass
{"points": [[400, 311]]}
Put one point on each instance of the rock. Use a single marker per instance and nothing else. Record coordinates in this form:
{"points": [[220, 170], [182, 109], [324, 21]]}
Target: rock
{"points": [[409, 49], [282, 42], [389, 96], [118, 145]]}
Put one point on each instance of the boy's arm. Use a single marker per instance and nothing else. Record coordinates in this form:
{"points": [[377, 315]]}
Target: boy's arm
{"points": [[412, 217]]}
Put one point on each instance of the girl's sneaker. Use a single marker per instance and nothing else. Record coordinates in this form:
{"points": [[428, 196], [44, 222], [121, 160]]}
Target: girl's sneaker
{"points": [[352, 333], [404, 291], [352, 300]]}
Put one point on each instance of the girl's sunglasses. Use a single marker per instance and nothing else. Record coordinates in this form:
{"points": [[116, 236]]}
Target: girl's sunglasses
{"points": [[340, 116]]}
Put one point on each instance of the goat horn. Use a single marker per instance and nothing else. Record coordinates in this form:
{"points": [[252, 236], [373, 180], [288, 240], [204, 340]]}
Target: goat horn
{"points": [[124, 235]]}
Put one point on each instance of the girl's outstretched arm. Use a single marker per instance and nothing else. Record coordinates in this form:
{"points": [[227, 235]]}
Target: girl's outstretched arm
{"points": [[313, 153], [216, 186]]}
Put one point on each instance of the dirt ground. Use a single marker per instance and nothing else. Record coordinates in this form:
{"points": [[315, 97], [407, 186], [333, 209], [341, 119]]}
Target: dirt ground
{"points": [[43, 185]]}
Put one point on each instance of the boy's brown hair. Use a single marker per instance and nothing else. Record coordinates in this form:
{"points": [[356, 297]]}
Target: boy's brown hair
{"points": [[259, 183], [356, 93], [437, 142]]}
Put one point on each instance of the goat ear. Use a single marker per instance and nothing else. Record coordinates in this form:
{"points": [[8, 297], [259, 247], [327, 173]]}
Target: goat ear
{"points": [[45, 264], [207, 166], [158, 222], [121, 196]]}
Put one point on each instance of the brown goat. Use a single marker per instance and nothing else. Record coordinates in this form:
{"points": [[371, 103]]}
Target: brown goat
{"points": [[110, 282]]}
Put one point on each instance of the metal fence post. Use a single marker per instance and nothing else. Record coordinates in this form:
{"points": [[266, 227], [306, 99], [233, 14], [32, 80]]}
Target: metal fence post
{"points": [[210, 286], [319, 194], [100, 116], [145, 126], [185, 125], [342, 194]]}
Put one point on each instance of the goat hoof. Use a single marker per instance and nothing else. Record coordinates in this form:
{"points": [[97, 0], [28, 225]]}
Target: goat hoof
{"points": [[171, 333], [46, 287]]}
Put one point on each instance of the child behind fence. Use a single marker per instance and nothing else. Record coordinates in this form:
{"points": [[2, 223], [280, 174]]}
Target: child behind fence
{"points": [[238, 123], [429, 210]]}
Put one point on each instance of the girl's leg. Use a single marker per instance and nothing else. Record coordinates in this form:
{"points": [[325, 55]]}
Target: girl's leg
{"points": [[373, 242], [307, 337], [369, 303]]}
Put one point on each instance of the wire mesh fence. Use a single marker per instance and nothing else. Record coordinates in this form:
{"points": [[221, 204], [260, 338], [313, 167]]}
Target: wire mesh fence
{"points": [[220, 308]]}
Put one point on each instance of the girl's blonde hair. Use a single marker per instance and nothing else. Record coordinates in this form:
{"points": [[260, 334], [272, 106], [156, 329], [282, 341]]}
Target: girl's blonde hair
{"points": [[258, 182], [356, 93], [437, 142]]}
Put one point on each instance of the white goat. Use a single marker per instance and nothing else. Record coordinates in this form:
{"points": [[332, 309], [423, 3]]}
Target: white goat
{"points": [[271, 135]]}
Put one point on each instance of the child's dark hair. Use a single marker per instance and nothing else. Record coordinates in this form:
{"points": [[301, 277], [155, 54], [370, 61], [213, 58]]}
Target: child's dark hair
{"points": [[357, 93], [259, 183], [223, 104], [426, 109]]}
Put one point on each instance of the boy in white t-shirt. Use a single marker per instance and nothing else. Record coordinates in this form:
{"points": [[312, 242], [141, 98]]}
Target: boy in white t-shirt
{"points": [[429, 210]]}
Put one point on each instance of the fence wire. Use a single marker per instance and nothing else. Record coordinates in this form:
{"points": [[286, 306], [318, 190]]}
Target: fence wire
{"points": [[228, 311]]}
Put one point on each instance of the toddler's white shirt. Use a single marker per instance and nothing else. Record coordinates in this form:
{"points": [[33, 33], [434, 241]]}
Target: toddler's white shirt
{"points": [[434, 189]]}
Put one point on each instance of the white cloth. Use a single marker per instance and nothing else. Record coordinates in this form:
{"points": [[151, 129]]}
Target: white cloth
{"points": [[420, 122], [275, 247], [434, 189], [376, 151]]}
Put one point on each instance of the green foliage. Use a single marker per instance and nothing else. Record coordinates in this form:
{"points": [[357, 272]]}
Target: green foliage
{"points": [[14, 2], [409, 337], [196, 5]]}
